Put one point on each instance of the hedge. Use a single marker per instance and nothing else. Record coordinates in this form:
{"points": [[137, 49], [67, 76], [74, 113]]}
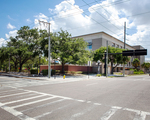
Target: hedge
{"points": [[45, 72], [34, 71]]}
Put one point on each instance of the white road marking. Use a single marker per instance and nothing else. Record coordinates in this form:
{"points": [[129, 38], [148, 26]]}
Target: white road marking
{"points": [[15, 94], [32, 102], [97, 104], [7, 91], [109, 113], [80, 100], [23, 99], [44, 105], [47, 113], [140, 116], [91, 84], [81, 113], [106, 117], [15, 112]]}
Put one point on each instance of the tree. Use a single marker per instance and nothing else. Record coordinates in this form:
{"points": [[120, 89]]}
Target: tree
{"points": [[68, 49], [113, 58], [136, 63], [24, 46], [146, 66]]}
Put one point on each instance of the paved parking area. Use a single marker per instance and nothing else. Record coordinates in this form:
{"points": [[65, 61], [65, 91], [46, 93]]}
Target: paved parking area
{"points": [[17, 101]]}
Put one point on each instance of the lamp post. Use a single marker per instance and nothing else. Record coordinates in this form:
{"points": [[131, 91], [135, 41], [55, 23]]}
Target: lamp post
{"points": [[98, 66]]}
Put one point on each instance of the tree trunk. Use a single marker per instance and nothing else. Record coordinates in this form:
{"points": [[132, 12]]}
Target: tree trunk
{"points": [[63, 68], [111, 67], [20, 68]]}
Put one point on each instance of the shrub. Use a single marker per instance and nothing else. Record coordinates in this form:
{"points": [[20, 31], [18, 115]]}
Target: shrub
{"points": [[98, 75], [45, 72], [79, 72], [34, 71], [138, 72], [72, 72], [131, 69]]}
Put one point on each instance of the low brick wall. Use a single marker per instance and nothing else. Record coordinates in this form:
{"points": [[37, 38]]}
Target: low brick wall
{"points": [[127, 72], [68, 68]]}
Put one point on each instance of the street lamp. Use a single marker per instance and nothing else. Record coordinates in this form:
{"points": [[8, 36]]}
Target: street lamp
{"points": [[98, 66]]}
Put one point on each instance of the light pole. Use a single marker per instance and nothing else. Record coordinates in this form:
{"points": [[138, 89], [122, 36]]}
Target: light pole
{"points": [[98, 66], [49, 49]]}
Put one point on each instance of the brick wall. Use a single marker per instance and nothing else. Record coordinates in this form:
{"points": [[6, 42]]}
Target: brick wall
{"points": [[67, 68]]}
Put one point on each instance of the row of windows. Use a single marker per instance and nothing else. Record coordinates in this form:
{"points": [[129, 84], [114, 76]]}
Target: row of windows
{"points": [[117, 46]]}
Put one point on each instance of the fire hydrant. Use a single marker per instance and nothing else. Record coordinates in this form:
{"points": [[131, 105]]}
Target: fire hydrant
{"points": [[64, 77]]}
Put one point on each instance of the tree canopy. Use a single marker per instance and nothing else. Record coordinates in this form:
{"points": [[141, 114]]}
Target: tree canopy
{"points": [[23, 47], [136, 63], [112, 58], [68, 49]]}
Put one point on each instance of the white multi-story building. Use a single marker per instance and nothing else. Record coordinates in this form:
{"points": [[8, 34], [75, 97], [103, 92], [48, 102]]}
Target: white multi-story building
{"points": [[96, 40]]}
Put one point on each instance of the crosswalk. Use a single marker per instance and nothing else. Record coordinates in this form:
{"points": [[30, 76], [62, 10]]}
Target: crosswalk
{"points": [[33, 105]]}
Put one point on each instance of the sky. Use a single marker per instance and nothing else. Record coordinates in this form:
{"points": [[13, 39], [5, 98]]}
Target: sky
{"points": [[79, 17]]}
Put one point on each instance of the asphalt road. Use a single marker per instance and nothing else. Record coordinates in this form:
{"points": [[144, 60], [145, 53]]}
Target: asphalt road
{"points": [[119, 98]]}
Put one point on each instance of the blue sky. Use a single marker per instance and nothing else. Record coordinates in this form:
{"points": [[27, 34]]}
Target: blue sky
{"points": [[79, 17]]}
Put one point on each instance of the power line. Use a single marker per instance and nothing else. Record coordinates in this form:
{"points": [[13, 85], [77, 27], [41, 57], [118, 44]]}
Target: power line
{"points": [[93, 19], [99, 14]]}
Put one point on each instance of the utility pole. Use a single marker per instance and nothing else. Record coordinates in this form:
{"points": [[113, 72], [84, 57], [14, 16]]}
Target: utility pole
{"points": [[124, 46], [49, 49]]}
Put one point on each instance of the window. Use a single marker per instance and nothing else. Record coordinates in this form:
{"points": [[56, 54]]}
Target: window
{"points": [[89, 46], [117, 46], [113, 45]]}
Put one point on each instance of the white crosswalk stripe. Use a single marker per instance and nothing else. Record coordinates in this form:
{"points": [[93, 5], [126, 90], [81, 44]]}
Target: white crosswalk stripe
{"points": [[111, 111], [14, 94], [32, 102], [23, 99]]}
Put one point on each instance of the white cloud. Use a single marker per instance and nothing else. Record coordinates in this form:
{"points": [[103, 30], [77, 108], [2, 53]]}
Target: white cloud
{"points": [[41, 16], [28, 20], [11, 18], [2, 41], [9, 26], [108, 16], [11, 34]]}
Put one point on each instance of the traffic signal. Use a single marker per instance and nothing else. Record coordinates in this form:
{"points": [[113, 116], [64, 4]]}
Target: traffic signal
{"points": [[135, 52]]}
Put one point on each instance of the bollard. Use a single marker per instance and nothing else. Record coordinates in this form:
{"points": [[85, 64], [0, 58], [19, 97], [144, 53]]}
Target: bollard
{"points": [[64, 77]]}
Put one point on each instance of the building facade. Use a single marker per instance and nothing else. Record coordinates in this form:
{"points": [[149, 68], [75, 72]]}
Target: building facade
{"points": [[96, 40]]}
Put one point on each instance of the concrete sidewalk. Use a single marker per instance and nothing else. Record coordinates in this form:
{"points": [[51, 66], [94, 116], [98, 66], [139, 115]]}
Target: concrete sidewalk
{"points": [[57, 77]]}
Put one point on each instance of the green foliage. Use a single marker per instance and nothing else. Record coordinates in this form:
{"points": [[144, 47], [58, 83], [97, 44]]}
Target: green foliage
{"points": [[138, 72], [131, 69], [136, 63], [98, 75], [99, 54], [34, 71], [146, 65], [68, 49], [45, 72], [23, 47]]}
